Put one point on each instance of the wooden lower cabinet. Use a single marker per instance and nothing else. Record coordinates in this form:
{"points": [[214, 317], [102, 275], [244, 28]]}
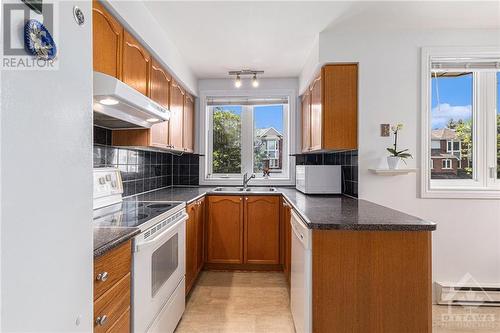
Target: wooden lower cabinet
{"points": [[243, 232], [112, 290], [194, 241], [262, 230], [190, 246], [225, 230], [371, 281]]}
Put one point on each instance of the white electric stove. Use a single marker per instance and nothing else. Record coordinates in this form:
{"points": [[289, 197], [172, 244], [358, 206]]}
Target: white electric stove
{"points": [[158, 271]]}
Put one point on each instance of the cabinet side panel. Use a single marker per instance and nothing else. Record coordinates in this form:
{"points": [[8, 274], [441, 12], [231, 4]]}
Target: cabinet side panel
{"points": [[366, 281]]}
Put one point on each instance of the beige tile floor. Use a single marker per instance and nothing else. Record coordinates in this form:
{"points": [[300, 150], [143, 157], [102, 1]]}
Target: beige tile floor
{"points": [[238, 302], [255, 302]]}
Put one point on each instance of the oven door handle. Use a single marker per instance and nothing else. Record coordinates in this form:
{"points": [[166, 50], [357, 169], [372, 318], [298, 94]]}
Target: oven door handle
{"points": [[162, 235]]}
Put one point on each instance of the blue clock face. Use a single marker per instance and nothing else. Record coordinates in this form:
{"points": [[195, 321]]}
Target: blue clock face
{"points": [[38, 41]]}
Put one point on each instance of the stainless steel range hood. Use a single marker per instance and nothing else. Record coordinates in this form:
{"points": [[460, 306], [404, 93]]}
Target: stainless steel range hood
{"points": [[119, 106]]}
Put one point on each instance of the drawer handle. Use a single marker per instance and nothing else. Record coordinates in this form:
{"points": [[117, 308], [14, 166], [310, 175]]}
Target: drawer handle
{"points": [[101, 320], [102, 276]]}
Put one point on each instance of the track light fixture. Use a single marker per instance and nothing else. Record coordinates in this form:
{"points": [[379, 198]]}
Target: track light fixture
{"points": [[255, 82], [238, 83]]}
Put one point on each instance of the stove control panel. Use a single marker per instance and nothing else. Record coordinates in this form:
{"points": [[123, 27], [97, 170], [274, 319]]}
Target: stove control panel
{"points": [[107, 182]]}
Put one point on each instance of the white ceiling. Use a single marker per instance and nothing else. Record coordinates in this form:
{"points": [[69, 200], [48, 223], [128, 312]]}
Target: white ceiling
{"points": [[277, 37]]}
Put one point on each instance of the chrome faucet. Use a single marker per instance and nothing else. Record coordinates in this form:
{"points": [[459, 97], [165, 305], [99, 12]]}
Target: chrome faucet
{"points": [[246, 179]]}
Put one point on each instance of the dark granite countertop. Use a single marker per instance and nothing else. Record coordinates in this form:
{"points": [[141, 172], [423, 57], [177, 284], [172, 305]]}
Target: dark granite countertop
{"points": [[345, 213], [107, 238], [318, 211], [187, 194], [335, 212]]}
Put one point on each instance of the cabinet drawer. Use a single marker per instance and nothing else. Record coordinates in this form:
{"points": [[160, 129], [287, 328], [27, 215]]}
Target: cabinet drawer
{"points": [[114, 265], [112, 304], [122, 325]]}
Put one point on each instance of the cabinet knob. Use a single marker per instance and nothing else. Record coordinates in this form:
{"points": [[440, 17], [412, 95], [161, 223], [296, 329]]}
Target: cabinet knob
{"points": [[246, 198], [101, 320], [102, 276]]}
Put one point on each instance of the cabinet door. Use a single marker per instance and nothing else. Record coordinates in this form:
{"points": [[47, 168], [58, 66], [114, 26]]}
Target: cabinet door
{"points": [[306, 121], [188, 123], [200, 234], [316, 115], [340, 84], [191, 235], [159, 91], [176, 116], [262, 229], [107, 38], [225, 230], [136, 64]]}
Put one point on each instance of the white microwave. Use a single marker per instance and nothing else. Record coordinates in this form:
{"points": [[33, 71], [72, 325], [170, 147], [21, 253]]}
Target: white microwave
{"points": [[318, 179]]}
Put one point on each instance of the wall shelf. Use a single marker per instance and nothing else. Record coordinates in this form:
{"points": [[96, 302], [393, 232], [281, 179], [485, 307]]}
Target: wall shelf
{"points": [[392, 172]]}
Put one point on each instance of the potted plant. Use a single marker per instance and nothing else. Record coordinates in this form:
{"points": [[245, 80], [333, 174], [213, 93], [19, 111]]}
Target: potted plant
{"points": [[396, 155]]}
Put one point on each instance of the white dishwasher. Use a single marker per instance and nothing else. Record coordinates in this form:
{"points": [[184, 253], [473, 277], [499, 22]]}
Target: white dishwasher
{"points": [[301, 277]]}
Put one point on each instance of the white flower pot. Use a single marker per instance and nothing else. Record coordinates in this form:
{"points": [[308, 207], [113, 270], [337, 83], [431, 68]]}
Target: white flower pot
{"points": [[393, 162]]}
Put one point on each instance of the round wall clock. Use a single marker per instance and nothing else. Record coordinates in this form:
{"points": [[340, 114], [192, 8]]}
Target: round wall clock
{"points": [[38, 41]]}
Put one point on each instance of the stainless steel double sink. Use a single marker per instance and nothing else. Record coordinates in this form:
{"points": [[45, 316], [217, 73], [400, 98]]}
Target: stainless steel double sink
{"points": [[248, 189]]}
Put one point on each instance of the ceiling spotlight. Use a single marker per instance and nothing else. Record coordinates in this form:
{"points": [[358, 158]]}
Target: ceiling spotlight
{"points": [[255, 82], [108, 101], [237, 83], [152, 120]]}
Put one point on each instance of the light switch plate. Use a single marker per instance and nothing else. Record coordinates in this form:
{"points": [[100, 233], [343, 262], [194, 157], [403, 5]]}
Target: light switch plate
{"points": [[385, 129]]}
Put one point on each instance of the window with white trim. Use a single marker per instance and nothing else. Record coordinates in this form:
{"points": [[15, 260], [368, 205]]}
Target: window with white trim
{"points": [[461, 122], [447, 164], [247, 135]]}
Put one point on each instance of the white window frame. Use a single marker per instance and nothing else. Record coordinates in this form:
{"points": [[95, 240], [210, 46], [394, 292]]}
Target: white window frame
{"points": [[445, 162], [288, 174], [484, 129]]}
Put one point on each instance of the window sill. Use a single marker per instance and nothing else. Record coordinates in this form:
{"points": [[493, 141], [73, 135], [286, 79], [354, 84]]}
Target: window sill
{"points": [[460, 194]]}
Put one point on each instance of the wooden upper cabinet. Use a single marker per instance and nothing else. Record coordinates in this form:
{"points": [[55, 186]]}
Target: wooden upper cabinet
{"points": [[306, 121], [316, 114], [332, 123], [107, 37], [340, 106], [159, 91], [176, 116], [225, 230], [262, 230], [188, 135], [136, 63]]}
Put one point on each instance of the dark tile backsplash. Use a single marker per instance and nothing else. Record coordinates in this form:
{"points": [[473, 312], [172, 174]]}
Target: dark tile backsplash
{"points": [[347, 159], [144, 170]]}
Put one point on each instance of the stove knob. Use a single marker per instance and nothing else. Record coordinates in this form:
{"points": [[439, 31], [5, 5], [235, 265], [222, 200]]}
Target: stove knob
{"points": [[113, 184], [108, 177], [102, 181]]}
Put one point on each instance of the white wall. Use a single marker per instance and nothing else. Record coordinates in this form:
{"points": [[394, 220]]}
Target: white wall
{"points": [[138, 20], [46, 193], [467, 239]]}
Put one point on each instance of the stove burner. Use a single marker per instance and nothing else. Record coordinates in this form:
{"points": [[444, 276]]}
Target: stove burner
{"points": [[159, 205]]}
